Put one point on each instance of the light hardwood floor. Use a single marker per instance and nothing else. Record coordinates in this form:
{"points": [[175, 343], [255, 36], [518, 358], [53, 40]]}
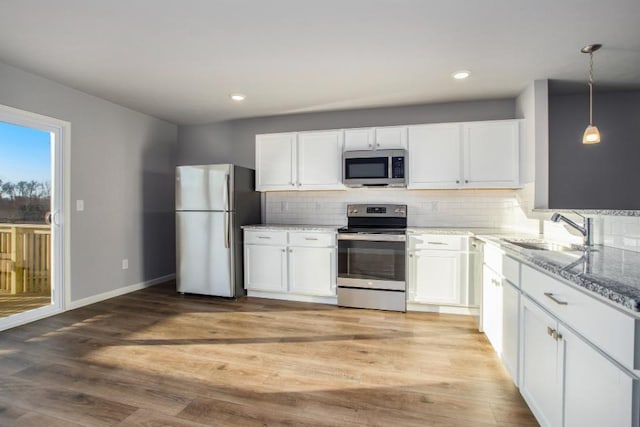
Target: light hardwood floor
{"points": [[156, 358]]}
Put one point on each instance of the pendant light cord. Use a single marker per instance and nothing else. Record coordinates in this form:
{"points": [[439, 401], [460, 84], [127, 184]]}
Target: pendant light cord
{"points": [[590, 88]]}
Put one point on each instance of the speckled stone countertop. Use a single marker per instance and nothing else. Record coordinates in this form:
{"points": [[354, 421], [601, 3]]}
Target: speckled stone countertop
{"points": [[609, 272], [291, 227], [454, 231], [605, 212]]}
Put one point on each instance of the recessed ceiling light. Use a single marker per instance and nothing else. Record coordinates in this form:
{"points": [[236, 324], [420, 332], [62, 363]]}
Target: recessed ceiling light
{"points": [[461, 75], [237, 96]]}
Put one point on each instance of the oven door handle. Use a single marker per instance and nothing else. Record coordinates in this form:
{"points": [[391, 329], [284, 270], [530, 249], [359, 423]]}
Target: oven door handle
{"points": [[373, 237]]}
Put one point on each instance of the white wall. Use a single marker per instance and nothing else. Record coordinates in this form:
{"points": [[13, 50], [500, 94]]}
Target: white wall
{"points": [[122, 166]]}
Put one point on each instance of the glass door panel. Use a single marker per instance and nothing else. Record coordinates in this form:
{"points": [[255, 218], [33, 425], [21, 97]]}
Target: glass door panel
{"points": [[25, 219]]}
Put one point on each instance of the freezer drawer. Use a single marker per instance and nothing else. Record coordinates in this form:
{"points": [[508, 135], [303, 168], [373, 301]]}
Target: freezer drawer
{"points": [[204, 253]]}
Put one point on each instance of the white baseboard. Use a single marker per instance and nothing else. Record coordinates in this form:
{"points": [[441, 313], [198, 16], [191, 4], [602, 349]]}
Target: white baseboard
{"points": [[117, 292], [294, 297], [445, 309]]}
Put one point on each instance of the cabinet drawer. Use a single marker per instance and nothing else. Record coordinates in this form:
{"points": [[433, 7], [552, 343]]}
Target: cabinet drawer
{"points": [[613, 331], [504, 265], [439, 242], [312, 239], [258, 237]]}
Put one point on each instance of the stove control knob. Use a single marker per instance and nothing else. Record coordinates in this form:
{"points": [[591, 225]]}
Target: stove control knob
{"points": [[354, 211]]}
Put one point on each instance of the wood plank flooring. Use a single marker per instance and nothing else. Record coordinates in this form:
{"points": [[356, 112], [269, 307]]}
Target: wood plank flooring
{"points": [[156, 358]]}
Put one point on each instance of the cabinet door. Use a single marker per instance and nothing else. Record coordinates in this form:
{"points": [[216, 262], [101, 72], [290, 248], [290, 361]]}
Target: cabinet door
{"points": [[437, 277], [312, 271], [320, 160], [358, 139], [434, 156], [492, 307], [275, 162], [597, 392], [390, 138], [541, 379], [491, 158], [265, 268], [510, 321]]}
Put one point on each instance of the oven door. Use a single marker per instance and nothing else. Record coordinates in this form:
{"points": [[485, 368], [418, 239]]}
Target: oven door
{"points": [[375, 262]]}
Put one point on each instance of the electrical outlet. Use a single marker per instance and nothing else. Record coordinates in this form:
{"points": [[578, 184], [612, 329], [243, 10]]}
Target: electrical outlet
{"points": [[434, 206], [79, 205], [125, 264], [284, 206]]}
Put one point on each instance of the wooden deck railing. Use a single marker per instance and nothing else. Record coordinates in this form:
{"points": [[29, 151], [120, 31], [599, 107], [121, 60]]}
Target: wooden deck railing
{"points": [[25, 259]]}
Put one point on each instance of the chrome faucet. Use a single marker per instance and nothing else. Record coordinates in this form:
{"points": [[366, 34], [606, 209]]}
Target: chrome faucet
{"points": [[586, 229]]}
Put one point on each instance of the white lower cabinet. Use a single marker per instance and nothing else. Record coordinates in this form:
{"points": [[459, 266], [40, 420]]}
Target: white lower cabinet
{"points": [[568, 382], [500, 317], [312, 271], [265, 268], [548, 345], [438, 271], [290, 264], [541, 378], [597, 392], [437, 277]]}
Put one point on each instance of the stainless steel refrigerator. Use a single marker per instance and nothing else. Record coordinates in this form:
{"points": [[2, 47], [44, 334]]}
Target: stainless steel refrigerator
{"points": [[212, 203]]}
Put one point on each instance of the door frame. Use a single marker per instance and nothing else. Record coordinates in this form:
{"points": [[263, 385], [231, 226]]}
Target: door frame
{"points": [[61, 217]]}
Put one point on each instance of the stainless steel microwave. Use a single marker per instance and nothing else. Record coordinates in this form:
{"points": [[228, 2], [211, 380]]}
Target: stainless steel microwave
{"points": [[374, 168]]}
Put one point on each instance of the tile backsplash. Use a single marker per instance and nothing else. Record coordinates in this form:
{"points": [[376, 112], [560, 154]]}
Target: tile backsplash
{"points": [[426, 208], [505, 209], [622, 232]]}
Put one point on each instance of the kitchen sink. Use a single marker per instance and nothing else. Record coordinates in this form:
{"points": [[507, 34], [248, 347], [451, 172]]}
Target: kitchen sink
{"points": [[543, 245]]}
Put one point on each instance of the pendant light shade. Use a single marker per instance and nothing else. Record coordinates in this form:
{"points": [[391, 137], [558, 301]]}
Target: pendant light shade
{"points": [[591, 133]]}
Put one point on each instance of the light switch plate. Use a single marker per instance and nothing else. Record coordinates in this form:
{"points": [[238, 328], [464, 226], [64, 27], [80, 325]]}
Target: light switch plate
{"points": [[79, 205]]}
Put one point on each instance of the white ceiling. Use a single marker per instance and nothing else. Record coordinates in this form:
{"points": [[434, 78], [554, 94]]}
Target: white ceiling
{"points": [[180, 59]]}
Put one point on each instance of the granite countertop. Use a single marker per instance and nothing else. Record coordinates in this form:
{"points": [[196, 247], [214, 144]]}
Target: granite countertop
{"points": [[292, 227], [609, 272], [454, 231]]}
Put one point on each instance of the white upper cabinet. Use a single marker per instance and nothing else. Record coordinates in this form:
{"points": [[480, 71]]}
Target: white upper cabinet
{"points": [[275, 162], [434, 156], [382, 138], [464, 155], [358, 139], [447, 155], [320, 160], [390, 138], [299, 161], [491, 154]]}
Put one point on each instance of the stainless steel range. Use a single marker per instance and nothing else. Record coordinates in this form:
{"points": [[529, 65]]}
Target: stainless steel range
{"points": [[371, 258]]}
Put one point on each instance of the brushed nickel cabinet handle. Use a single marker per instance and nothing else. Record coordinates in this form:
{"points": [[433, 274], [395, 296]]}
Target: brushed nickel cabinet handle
{"points": [[437, 243], [554, 299], [264, 237], [310, 238]]}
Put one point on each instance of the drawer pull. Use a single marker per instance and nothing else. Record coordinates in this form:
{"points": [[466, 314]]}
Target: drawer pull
{"points": [[264, 237], [554, 299], [436, 243], [310, 238]]}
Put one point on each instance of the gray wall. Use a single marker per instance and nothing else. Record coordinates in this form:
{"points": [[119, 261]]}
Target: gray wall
{"points": [[234, 141], [600, 176], [122, 165]]}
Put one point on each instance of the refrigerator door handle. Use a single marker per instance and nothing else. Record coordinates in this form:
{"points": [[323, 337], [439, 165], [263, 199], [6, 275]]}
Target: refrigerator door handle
{"points": [[227, 190], [227, 230]]}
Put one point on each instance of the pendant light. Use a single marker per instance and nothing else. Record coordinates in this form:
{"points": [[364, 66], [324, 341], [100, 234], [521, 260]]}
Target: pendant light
{"points": [[591, 133]]}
